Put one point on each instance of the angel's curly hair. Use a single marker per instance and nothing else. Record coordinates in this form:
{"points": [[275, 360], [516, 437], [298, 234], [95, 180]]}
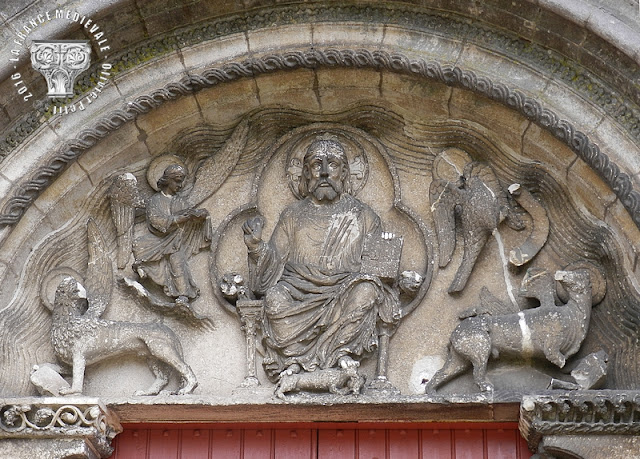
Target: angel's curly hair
{"points": [[169, 172]]}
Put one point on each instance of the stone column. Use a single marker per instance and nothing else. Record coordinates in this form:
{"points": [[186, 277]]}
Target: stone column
{"points": [[250, 312]]}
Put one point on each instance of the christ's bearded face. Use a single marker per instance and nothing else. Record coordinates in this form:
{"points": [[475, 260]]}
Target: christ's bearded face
{"points": [[324, 171]]}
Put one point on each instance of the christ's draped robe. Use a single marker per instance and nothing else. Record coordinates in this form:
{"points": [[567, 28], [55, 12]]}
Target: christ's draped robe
{"points": [[318, 306]]}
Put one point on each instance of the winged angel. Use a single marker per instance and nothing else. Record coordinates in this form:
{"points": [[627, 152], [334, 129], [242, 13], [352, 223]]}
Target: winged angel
{"points": [[468, 193], [80, 337], [175, 228]]}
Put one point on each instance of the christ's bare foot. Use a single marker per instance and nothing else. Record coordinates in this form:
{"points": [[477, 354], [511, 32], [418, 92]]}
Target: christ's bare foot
{"points": [[291, 369], [347, 362]]}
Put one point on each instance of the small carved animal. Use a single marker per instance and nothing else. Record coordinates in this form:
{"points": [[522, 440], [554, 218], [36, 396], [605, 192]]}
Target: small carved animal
{"points": [[81, 339], [334, 380], [549, 331]]}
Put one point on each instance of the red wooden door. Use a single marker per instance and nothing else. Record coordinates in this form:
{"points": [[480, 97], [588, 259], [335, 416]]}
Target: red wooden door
{"points": [[343, 441]]}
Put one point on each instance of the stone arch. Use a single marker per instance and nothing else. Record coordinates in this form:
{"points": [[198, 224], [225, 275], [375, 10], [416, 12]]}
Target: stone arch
{"points": [[470, 59]]}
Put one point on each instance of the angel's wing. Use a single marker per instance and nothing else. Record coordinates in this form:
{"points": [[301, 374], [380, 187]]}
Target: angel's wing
{"points": [[479, 217], [99, 277], [443, 201], [216, 168], [124, 198]]}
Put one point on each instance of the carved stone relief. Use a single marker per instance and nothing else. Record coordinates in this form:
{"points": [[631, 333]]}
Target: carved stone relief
{"points": [[322, 275], [339, 254], [548, 331], [465, 193], [587, 424], [80, 337], [69, 428]]}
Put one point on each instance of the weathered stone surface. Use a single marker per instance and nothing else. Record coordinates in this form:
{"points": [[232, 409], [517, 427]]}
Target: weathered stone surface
{"points": [[587, 424], [150, 75], [295, 87], [54, 448], [265, 407], [400, 83], [56, 428]]}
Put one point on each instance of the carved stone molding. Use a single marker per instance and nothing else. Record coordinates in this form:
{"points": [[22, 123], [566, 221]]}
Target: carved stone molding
{"points": [[617, 103], [593, 424], [56, 427], [578, 141]]}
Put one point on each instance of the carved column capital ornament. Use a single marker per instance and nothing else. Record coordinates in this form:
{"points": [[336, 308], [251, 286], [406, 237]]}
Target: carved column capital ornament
{"points": [[57, 428], [60, 62], [586, 424]]}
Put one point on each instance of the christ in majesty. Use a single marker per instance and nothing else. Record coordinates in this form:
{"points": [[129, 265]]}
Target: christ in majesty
{"points": [[320, 310]]}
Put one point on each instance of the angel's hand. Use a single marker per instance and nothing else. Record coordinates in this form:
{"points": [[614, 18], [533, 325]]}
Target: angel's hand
{"points": [[200, 214]]}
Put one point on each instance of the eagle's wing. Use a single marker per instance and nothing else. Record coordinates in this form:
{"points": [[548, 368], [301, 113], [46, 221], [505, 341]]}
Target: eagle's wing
{"points": [[442, 197], [483, 173], [216, 168], [124, 198], [479, 217], [99, 277]]}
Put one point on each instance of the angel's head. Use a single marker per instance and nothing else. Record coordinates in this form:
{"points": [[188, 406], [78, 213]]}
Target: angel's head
{"points": [[172, 179], [70, 293]]}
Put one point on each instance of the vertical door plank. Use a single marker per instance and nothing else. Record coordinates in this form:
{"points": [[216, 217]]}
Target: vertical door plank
{"points": [[469, 443], [194, 444], [163, 443], [372, 444], [295, 444], [226, 443], [132, 443], [337, 444], [523, 448], [502, 444], [404, 443], [257, 444], [436, 443]]}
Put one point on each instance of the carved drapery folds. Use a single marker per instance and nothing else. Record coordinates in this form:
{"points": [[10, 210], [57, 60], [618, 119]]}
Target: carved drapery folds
{"points": [[329, 276], [404, 231]]}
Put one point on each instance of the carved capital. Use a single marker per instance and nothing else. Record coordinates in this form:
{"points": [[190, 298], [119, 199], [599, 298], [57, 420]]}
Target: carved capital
{"points": [[250, 312], [58, 427], [582, 423], [60, 62]]}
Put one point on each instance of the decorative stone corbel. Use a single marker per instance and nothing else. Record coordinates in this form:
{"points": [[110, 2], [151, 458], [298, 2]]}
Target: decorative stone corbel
{"points": [[56, 428], [586, 424]]}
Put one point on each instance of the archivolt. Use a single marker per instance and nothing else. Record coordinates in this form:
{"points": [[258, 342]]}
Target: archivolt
{"points": [[455, 76]]}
